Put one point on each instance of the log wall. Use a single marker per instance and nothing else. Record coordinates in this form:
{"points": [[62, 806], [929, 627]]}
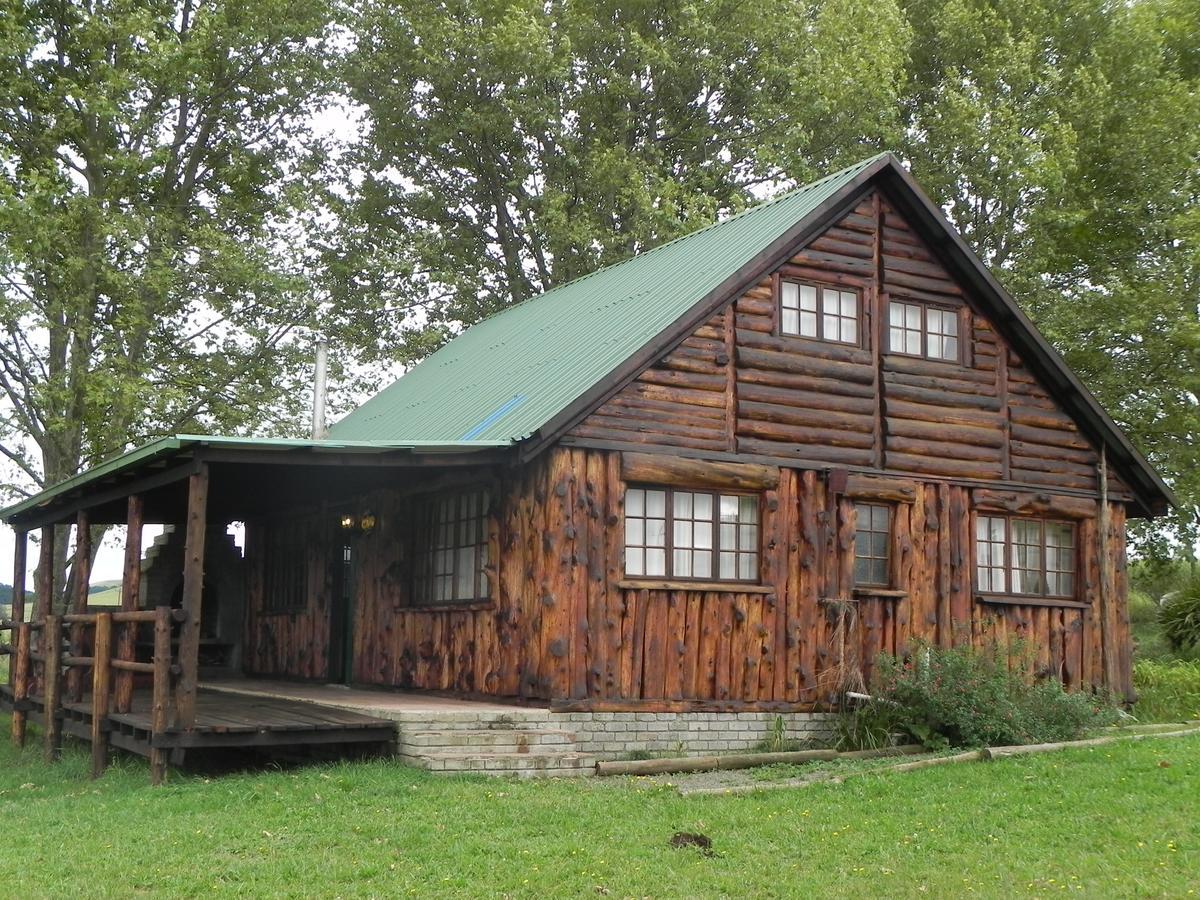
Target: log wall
{"points": [[563, 625], [737, 385]]}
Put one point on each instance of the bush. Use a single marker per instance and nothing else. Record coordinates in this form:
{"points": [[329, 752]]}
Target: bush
{"points": [[1167, 691], [1180, 616], [1143, 610], [964, 697]]}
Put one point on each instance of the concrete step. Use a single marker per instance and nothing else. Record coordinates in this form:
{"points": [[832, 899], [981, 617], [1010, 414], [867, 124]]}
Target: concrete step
{"points": [[470, 720], [525, 765], [508, 740]]}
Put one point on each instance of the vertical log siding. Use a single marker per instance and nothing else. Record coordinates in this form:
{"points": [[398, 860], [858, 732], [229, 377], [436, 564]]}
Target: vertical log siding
{"points": [[562, 624]]}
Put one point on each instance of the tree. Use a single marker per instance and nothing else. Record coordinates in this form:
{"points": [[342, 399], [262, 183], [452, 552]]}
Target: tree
{"points": [[518, 144], [154, 180], [1063, 139]]}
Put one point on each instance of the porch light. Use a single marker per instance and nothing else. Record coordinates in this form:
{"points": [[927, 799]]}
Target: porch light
{"points": [[348, 522], [367, 522]]}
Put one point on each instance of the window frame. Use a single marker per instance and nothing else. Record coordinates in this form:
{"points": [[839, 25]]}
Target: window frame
{"points": [[820, 288], [957, 360], [283, 557], [424, 548], [1008, 562], [669, 538], [889, 569]]}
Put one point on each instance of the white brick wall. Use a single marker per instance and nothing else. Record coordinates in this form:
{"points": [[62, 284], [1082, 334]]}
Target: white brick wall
{"points": [[609, 734]]}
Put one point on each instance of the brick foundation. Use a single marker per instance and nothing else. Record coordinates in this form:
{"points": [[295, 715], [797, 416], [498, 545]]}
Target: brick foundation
{"points": [[613, 734]]}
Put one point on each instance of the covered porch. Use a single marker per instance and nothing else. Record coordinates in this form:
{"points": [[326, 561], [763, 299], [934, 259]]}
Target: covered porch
{"points": [[132, 677]]}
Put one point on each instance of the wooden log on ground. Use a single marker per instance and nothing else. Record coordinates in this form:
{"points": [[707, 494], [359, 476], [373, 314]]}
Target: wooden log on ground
{"points": [[1030, 749], [52, 707], [706, 763], [101, 683], [162, 692]]}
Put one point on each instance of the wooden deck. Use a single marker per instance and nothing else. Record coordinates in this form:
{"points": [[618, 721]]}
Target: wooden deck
{"points": [[225, 720]]}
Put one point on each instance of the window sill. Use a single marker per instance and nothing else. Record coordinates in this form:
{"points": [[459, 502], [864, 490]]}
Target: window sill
{"points": [[722, 587], [880, 593], [473, 606], [1019, 600]]}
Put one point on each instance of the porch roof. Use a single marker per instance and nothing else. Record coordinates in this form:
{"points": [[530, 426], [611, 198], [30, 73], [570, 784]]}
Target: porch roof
{"points": [[157, 455]]}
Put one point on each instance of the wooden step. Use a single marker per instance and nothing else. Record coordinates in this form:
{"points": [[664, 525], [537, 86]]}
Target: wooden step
{"points": [[521, 740]]}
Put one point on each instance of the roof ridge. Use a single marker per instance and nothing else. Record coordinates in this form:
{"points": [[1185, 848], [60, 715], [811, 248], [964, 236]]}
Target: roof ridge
{"points": [[756, 207]]}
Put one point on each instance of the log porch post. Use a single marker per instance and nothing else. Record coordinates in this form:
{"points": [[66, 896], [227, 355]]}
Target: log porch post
{"points": [[18, 618], [79, 603], [131, 586], [193, 589], [43, 607], [18, 596]]}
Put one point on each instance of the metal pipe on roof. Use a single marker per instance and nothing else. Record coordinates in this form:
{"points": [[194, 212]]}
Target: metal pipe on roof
{"points": [[320, 377]]}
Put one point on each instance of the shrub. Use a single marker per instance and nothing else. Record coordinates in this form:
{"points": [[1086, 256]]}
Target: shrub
{"points": [[963, 697], [1167, 691], [1180, 616], [1143, 610]]}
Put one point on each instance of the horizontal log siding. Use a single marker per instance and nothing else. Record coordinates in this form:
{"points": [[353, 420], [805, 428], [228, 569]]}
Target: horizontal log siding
{"points": [[738, 385]]}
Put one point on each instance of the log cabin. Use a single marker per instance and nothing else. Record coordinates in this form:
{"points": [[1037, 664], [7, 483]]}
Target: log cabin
{"points": [[700, 485]]}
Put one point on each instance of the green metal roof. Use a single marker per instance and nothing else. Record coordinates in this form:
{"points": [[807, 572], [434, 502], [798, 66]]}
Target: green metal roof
{"points": [[507, 376], [179, 443]]}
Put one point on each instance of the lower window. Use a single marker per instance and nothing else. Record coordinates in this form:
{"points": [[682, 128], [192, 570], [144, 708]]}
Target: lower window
{"points": [[1034, 557], [451, 549], [701, 535]]}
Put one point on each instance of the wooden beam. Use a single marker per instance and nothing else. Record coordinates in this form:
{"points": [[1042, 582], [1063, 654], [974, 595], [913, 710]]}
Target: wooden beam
{"points": [[52, 694], [45, 575], [661, 468], [193, 590], [131, 585], [79, 603], [101, 681], [18, 596]]}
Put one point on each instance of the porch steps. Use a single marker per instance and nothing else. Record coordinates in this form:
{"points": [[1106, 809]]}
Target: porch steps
{"points": [[498, 750]]}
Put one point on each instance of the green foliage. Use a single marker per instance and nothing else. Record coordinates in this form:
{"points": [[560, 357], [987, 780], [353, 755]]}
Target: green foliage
{"points": [[963, 697], [777, 740], [1142, 608], [869, 725], [1179, 616], [1157, 576], [1167, 691]]}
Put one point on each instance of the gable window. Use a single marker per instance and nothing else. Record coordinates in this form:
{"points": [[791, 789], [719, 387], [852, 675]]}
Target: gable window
{"points": [[818, 311], [685, 534], [451, 548], [916, 329], [1033, 557], [872, 563]]}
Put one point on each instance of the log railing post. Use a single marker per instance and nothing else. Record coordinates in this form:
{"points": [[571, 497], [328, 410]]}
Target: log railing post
{"points": [[79, 603], [131, 586], [20, 681], [162, 693], [101, 681], [193, 589], [52, 697]]}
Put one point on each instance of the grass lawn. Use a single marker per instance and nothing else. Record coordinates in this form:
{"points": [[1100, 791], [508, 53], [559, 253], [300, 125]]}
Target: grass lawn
{"points": [[1119, 820]]}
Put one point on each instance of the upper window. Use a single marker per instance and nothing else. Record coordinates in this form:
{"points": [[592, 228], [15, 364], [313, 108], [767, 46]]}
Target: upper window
{"points": [[872, 563], [915, 329], [818, 311], [1035, 557], [702, 535], [451, 552]]}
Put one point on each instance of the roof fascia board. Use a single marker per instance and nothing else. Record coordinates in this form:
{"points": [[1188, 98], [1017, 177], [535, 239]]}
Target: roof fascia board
{"points": [[773, 255], [904, 192]]}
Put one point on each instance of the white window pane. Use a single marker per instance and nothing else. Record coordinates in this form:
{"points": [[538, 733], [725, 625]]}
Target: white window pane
{"points": [[808, 298], [656, 504], [950, 348], [635, 561], [729, 508], [746, 536], [831, 328], [808, 324], [683, 534], [728, 537], [791, 321], [656, 562], [790, 295], [850, 331], [702, 564], [829, 302], [950, 324], [935, 346], [896, 340], [912, 316], [635, 502], [702, 535], [656, 532], [682, 562], [464, 575], [728, 566], [896, 314], [912, 342], [849, 305], [683, 505], [747, 562], [635, 531], [702, 506], [748, 509]]}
